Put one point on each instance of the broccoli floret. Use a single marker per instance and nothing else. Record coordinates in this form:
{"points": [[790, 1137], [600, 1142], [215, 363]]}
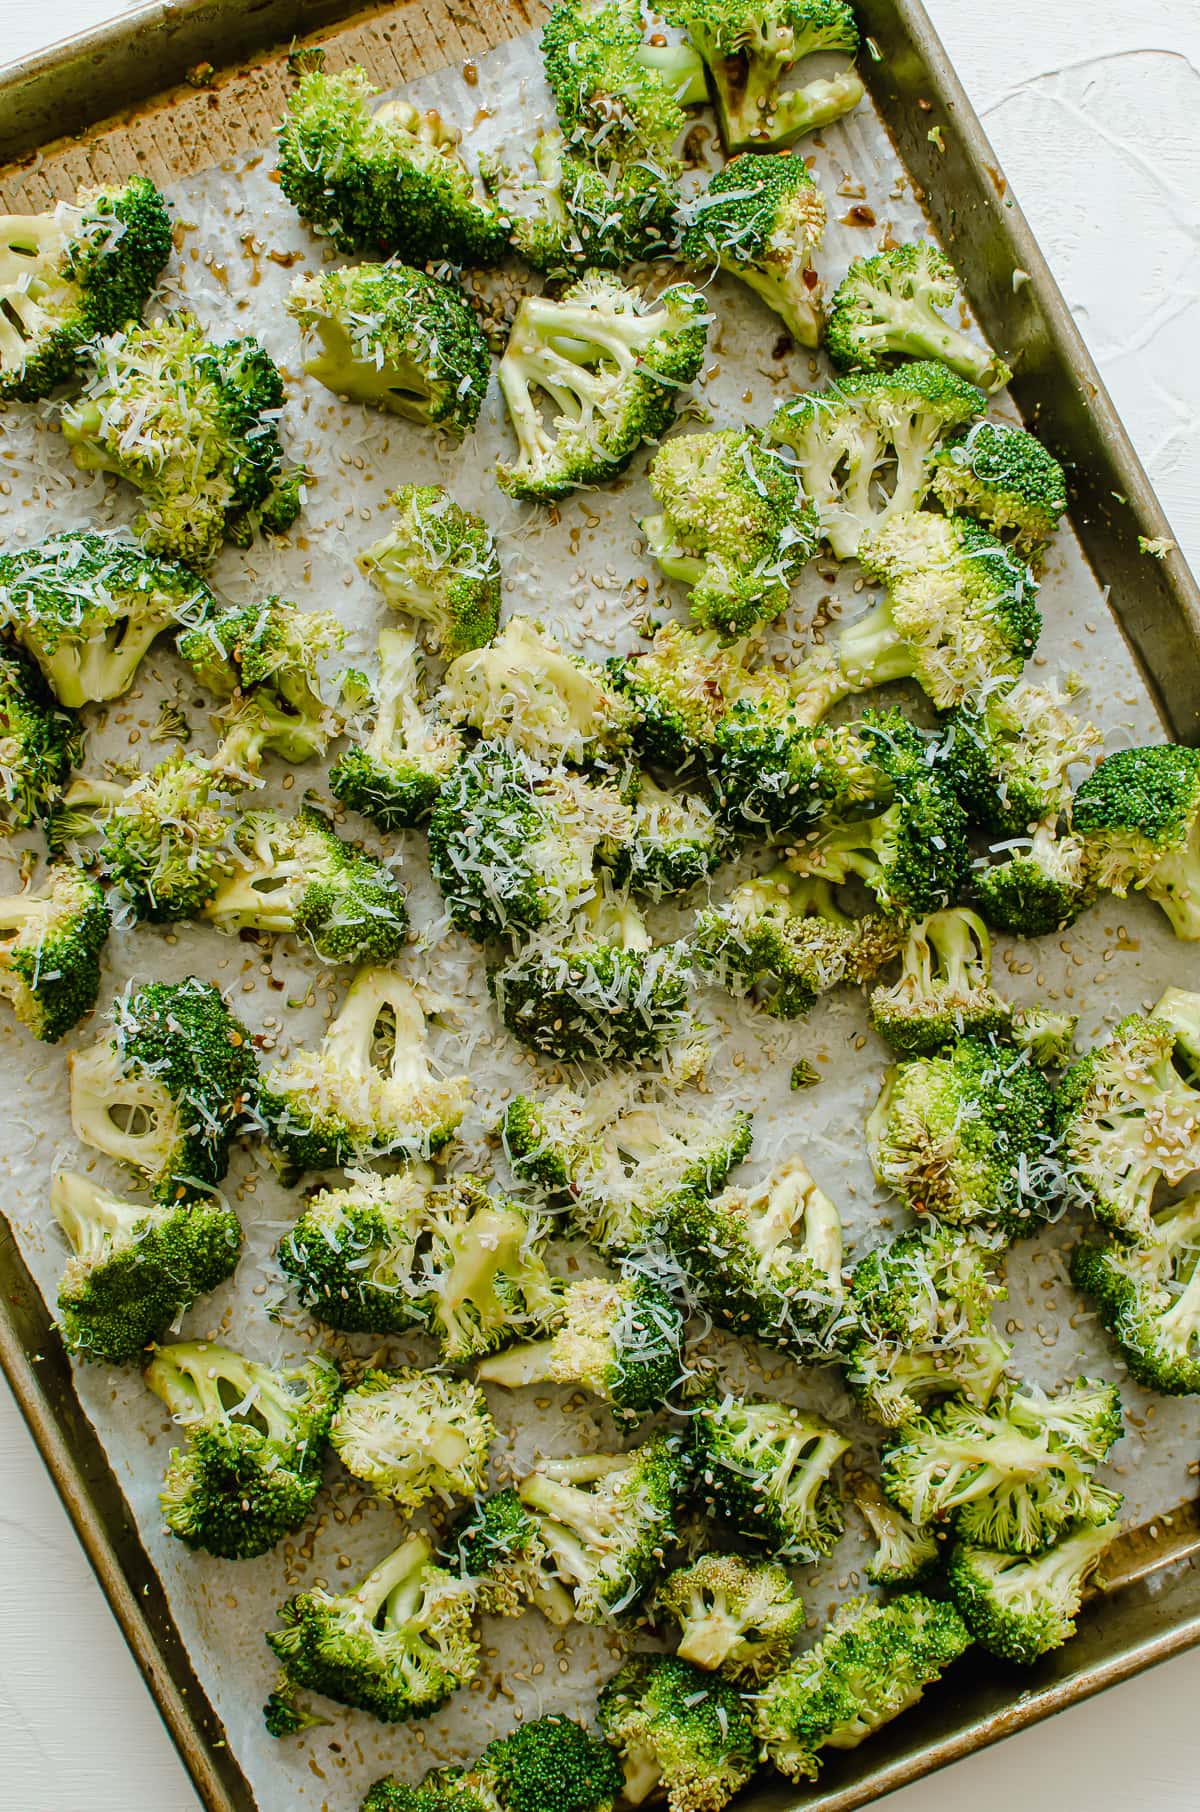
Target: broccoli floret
{"points": [[675, 841], [1008, 755], [765, 1261], [297, 875], [1046, 1033], [872, 1663], [1006, 478], [606, 1520], [395, 339], [166, 844], [1149, 1297], [397, 1645], [482, 1270], [1128, 1121], [872, 429], [682, 1734], [512, 844], [762, 218], [135, 1266], [524, 689], [169, 1092], [498, 1548], [352, 1255], [414, 1435], [82, 270], [82, 810], [921, 1307], [751, 50], [438, 564], [619, 1340], [773, 772], [890, 306], [1020, 1607], [194, 426], [550, 1764], [1138, 816], [968, 1136], [681, 687], [598, 989], [395, 776], [617, 95], [1037, 890], [87, 607], [574, 209], [613, 365], [735, 526], [904, 1553], [39, 743], [51, 938], [618, 1154], [945, 988], [255, 1437], [354, 1099], [735, 1615], [283, 1714], [1012, 1477], [263, 658], [763, 1470], [386, 178]]}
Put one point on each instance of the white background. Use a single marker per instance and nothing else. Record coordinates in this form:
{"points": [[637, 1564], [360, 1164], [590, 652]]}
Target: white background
{"points": [[1094, 111]]}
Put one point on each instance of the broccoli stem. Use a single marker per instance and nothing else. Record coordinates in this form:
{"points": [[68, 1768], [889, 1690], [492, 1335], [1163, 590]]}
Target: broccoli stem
{"points": [[528, 1364], [492, 1252], [713, 1633], [618, 922], [927, 336], [200, 1382], [350, 1040], [393, 1587], [642, 1771], [676, 565], [872, 652], [89, 1216], [577, 1518], [808, 109], [798, 308], [399, 721], [100, 1091], [793, 1200], [680, 65]]}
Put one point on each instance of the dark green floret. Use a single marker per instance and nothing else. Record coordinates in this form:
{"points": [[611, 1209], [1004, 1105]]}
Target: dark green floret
{"points": [[51, 938], [352, 1255], [1020, 1607], [683, 1735], [945, 987], [85, 269], [254, 1441], [396, 775], [550, 1764], [571, 209], [1149, 1298], [675, 842], [762, 218], [763, 1470], [497, 1547], [1006, 478], [39, 743], [1039, 889], [439, 564], [283, 1714], [383, 178], [263, 659], [773, 773], [1008, 756], [1138, 816], [736, 1615], [618, 96], [892, 306]]}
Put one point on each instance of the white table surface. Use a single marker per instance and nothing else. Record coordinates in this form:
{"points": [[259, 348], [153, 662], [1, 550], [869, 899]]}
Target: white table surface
{"points": [[1094, 110]]}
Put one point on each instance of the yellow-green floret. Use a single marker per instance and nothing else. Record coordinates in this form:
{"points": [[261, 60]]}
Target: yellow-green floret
{"points": [[762, 219], [681, 687], [167, 845], [683, 1735], [892, 306], [497, 1547], [1041, 887], [620, 95], [438, 563], [736, 1615], [1138, 817], [1008, 755], [674, 842], [39, 743], [396, 773], [352, 1255], [905, 1553], [414, 1435], [763, 1470], [945, 987], [263, 659], [51, 939], [783, 942], [525, 689], [573, 209], [1021, 1607], [1148, 1295]]}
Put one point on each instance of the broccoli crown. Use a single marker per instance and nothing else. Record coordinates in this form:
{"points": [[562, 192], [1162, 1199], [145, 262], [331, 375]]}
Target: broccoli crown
{"points": [[438, 563], [772, 773], [1138, 816], [605, 1521], [945, 988], [185, 1072], [263, 657], [1149, 1297], [1037, 890], [523, 688], [872, 1663], [1127, 1120], [194, 426], [369, 1089], [352, 1255], [296, 874], [283, 1715], [255, 1438], [441, 1790], [574, 210], [617, 95], [481, 1270], [51, 938], [618, 1154], [394, 777], [1020, 1607], [968, 1136], [1012, 1477], [387, 178], [904, 1553], [87, 606], [85, 269], [551, 1764], [748, 55], [396, 339], [1008, 756], [682, 1733], [862, 445], [619, 1340], [765, 1261], [613, 362], [675, 841], [166, 844], [1005, 478], [135, 1266], [736, 1615], [735, 526], [497, 1545], [681, 687], [414, 1435], [39, 743], [597, 989], [892, 305], [398, 1645], [763, 1470], [762, 217]]}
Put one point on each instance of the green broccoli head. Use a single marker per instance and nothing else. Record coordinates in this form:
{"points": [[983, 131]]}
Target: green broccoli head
{"points": [[1004, 477], [414, 1435], [255, 1438], [525, 689], [735, 1615], [1039, 888], [88, 605], [166, 843], [1138, 817], [905, 1554], [1020, 1607], [681, 1733], [764, 1471], [735, 526], [892, 306], [1149, 1297], [395, 775], [51, 939], [749, 54], [681, 687], [762, 218], [387, 178], [396, 339], [264, 659], [439, 564], [352, 1255], [497, 1547], [945, 987], [1008, 756], [551, 1764], [675, 841], [618, 96], [773, 773], [85, 269], [193, 425], [614, 364], [573, 210], [39, 743]]}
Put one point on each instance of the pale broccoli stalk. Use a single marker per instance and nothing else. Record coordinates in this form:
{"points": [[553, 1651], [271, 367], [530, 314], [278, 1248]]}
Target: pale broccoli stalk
{"points": [[438, 563], [526, 690], [888, 306], [395, 775]]}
